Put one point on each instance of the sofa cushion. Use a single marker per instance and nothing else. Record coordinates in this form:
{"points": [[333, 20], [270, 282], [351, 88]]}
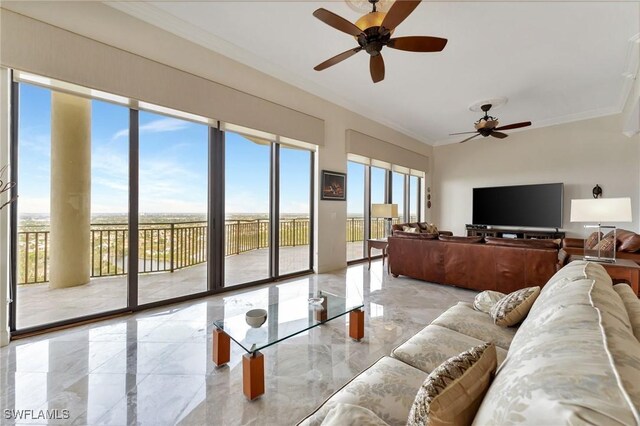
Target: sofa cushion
{"points": [[521, 242], [428, 227], [387, 388], [486, 300], [452, 393], [628, 241], [513, 308], [632, 304], [416, 235], [349, 414], [434, 344], [466, 320], [453, 239], [571, 362]]}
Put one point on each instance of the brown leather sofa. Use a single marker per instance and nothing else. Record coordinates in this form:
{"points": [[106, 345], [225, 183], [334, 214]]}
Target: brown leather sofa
{"points": [[499, 264], [627, 245]]}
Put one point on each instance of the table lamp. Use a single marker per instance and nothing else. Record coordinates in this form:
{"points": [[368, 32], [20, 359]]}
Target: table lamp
{"points": [[599, 210], [386, 211]]}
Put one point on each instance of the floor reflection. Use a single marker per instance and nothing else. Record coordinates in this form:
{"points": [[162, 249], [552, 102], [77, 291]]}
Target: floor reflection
{"points": [[155, 367]]}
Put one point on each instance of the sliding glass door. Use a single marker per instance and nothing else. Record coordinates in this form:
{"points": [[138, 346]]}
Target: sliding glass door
{"points": [[414, 198], [72, 219], [247, 209], [378, 196], [173, 202], [355, 211], [295, 210], [118, 207], [398, 195]]}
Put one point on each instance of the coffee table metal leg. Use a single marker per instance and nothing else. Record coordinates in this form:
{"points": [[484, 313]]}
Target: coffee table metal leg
{"points": [[253, 375], [356, 324], [221, 347]]}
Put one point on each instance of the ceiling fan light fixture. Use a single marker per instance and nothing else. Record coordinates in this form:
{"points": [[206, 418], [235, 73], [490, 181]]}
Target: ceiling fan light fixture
{"points": [[370, 20], [363, 6]]}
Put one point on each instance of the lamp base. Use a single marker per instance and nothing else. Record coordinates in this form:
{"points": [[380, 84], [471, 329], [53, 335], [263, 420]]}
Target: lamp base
{"points": [[599, 259], [596, 254]]}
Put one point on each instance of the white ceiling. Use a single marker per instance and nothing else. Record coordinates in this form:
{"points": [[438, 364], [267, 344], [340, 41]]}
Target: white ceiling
{"points": [[556, 62]]}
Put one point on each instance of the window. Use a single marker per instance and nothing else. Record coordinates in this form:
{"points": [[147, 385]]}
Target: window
{"points": [[355, 210]]}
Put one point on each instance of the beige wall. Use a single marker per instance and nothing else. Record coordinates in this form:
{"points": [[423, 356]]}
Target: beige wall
{"points": [[107, 25], [580, 155]]}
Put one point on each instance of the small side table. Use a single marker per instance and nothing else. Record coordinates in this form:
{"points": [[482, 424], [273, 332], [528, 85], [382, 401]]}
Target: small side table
{"points": [[380, 244], [623, 270]]}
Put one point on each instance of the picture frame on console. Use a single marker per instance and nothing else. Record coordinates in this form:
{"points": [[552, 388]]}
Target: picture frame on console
{"points": [[334, 186]]}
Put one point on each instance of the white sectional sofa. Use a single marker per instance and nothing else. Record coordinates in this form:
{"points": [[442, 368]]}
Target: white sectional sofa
{"points": [[575, 359]]}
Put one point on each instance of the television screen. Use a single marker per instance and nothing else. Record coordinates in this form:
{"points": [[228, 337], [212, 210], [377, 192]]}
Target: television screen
{"points": [[535, 206]]}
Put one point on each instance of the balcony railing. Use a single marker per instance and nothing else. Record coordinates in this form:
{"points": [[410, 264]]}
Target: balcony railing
{"points": [[167, 247]]}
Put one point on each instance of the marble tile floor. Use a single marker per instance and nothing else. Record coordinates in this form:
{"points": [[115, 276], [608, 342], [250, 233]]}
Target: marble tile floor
{"points": [[155, 367]]}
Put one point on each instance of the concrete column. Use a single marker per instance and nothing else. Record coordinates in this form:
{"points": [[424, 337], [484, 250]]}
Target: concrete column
{"points": [[70, 190]]}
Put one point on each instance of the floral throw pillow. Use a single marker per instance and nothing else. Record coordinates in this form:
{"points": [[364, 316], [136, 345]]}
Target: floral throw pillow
{"points": [[410, 229], [605, 245], [452, 393], [514, 307], [486, 300]]}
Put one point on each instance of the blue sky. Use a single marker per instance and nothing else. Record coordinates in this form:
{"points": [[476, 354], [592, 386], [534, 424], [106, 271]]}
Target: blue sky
{"points": [[173, 163]]}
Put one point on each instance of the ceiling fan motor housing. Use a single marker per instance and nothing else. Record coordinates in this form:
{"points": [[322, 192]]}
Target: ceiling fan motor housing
{"points": [[373, 40]]}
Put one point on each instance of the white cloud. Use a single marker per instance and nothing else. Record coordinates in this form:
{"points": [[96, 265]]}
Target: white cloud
{"points": [[120, 134], [161, 125], [246, 202], [34, 204]]}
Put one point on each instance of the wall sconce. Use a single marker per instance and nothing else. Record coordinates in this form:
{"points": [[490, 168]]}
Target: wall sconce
{"points": [[597, 191]]}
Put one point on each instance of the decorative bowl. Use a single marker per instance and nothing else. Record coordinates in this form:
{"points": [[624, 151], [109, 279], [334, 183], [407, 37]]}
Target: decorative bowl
{"points": [[256, 317]]}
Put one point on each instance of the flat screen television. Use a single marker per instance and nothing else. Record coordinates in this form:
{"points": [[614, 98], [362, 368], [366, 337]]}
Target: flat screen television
{"points": [[531, 206]]}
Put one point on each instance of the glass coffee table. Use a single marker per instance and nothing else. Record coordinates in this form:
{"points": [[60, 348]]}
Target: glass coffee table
{"points": [[285, 319]]}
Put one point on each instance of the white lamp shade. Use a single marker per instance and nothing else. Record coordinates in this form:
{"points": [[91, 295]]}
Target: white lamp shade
{"points": [[600, 210], [384, 210]]}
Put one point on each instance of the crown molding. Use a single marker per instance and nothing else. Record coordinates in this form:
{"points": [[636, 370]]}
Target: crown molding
{"points": [[155, 16]]}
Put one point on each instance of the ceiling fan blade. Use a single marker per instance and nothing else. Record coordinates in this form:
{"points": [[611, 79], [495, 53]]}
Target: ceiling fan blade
{"points": [[338, 58], [418, 43], [337, 22], [468, 139], [498, 135], [514, 126], [398, 13], [461, 133], [376, 66]]}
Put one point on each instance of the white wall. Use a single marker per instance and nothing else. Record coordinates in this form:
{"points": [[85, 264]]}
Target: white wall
{"points": [[4, 213], [580, 155]]}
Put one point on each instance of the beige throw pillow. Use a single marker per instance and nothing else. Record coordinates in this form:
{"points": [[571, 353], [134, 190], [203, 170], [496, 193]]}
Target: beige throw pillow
{"points": [[410, 229], [514, 307], [452, 393], [486, 300]]}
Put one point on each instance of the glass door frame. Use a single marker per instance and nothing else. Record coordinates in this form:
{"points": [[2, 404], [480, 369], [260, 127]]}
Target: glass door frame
{"points": [[215, 222]]}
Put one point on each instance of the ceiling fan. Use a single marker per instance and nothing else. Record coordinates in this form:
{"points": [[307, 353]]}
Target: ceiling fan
{"points": [[488, 126], [373, 32]]}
